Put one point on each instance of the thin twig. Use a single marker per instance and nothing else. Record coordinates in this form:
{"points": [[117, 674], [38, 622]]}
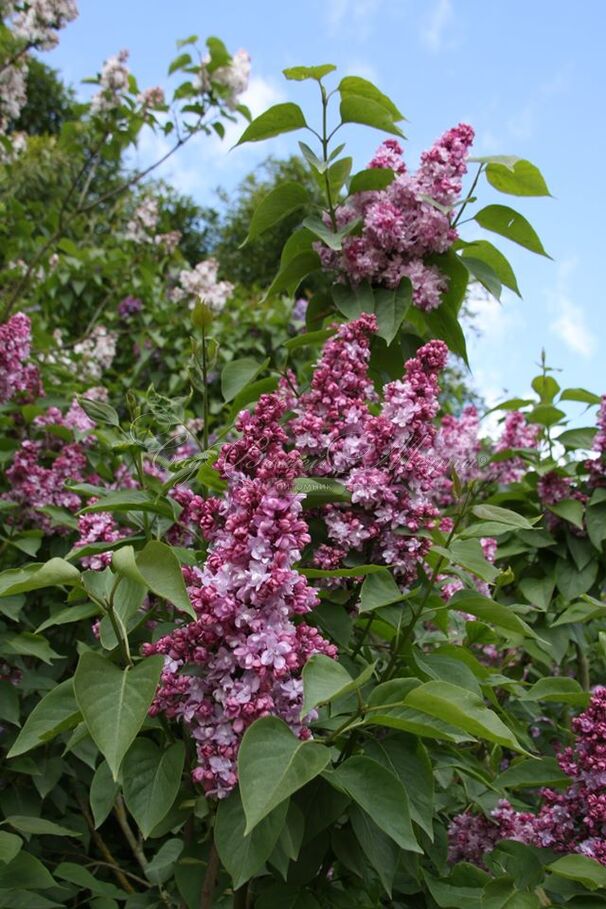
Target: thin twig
{"points": [[210, 879], [101, 845]]}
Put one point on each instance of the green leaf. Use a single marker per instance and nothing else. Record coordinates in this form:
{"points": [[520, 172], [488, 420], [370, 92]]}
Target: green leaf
{"points": [[584, 611], [84, 880], [132, 500], [595, 518], [10, 846], [103, 792], [179, 62], [560, 690], [380, 849], [321, 490], [150, 781], [237, 374], [300, 73], [331, 238], [380, 794], [581, 395], [68, 615], [371, 180], [25, 872], [362, 88], [358, 572], [408, 759], [242, 855], [311, 338], [580, 868], [522, 179], [391, 307], [570, 509], [326, 680], [443, 324], [490, 255], [300, 241], [532, 774], [161, 866], [280, 202], [510, 224], [463, 709], [293, 271], [272, 764], [281, 118], [490, 612], [157, 567], [379, 589], [9, 703], [484, 273], [114, 702], [571, 583], [581, 437], [284, 896], [353, 301], [56, 572], [469, 555], [358, 109], [250, 393], [28, 644], [39, 826], [546, 415], [56, 712], [502, 515]]}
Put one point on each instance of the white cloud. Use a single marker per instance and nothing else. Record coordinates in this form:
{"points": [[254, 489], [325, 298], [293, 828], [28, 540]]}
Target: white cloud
{"points": [[570, 322], [434, 34], [356, 13], [571, 327]]}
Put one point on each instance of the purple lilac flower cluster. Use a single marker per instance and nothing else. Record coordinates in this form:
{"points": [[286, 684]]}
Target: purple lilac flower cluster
{"points": [[16, 374], [406, 222], [597, 466], [569, 820], [248, 645], [129, 306], [384, 459]]}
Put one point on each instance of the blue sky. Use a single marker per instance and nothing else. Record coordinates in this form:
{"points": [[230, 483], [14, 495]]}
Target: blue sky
{"points": [[527, 75]]}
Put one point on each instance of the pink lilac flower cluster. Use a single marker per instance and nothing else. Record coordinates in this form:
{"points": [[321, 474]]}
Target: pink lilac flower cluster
{"points": [[384, 459], [597, 466], [457, 446], [406, 222], [248, 645], [517, 433], [129, 306], [568, 820], [34, 486], [43, 465], [17, 376], [97, 527], [152, 98]]}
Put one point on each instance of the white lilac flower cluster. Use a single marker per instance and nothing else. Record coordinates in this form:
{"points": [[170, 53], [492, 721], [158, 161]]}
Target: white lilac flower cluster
{"points": [[35, 24], [233, 78], [113, 82], [97, 352], [200, 284]]}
